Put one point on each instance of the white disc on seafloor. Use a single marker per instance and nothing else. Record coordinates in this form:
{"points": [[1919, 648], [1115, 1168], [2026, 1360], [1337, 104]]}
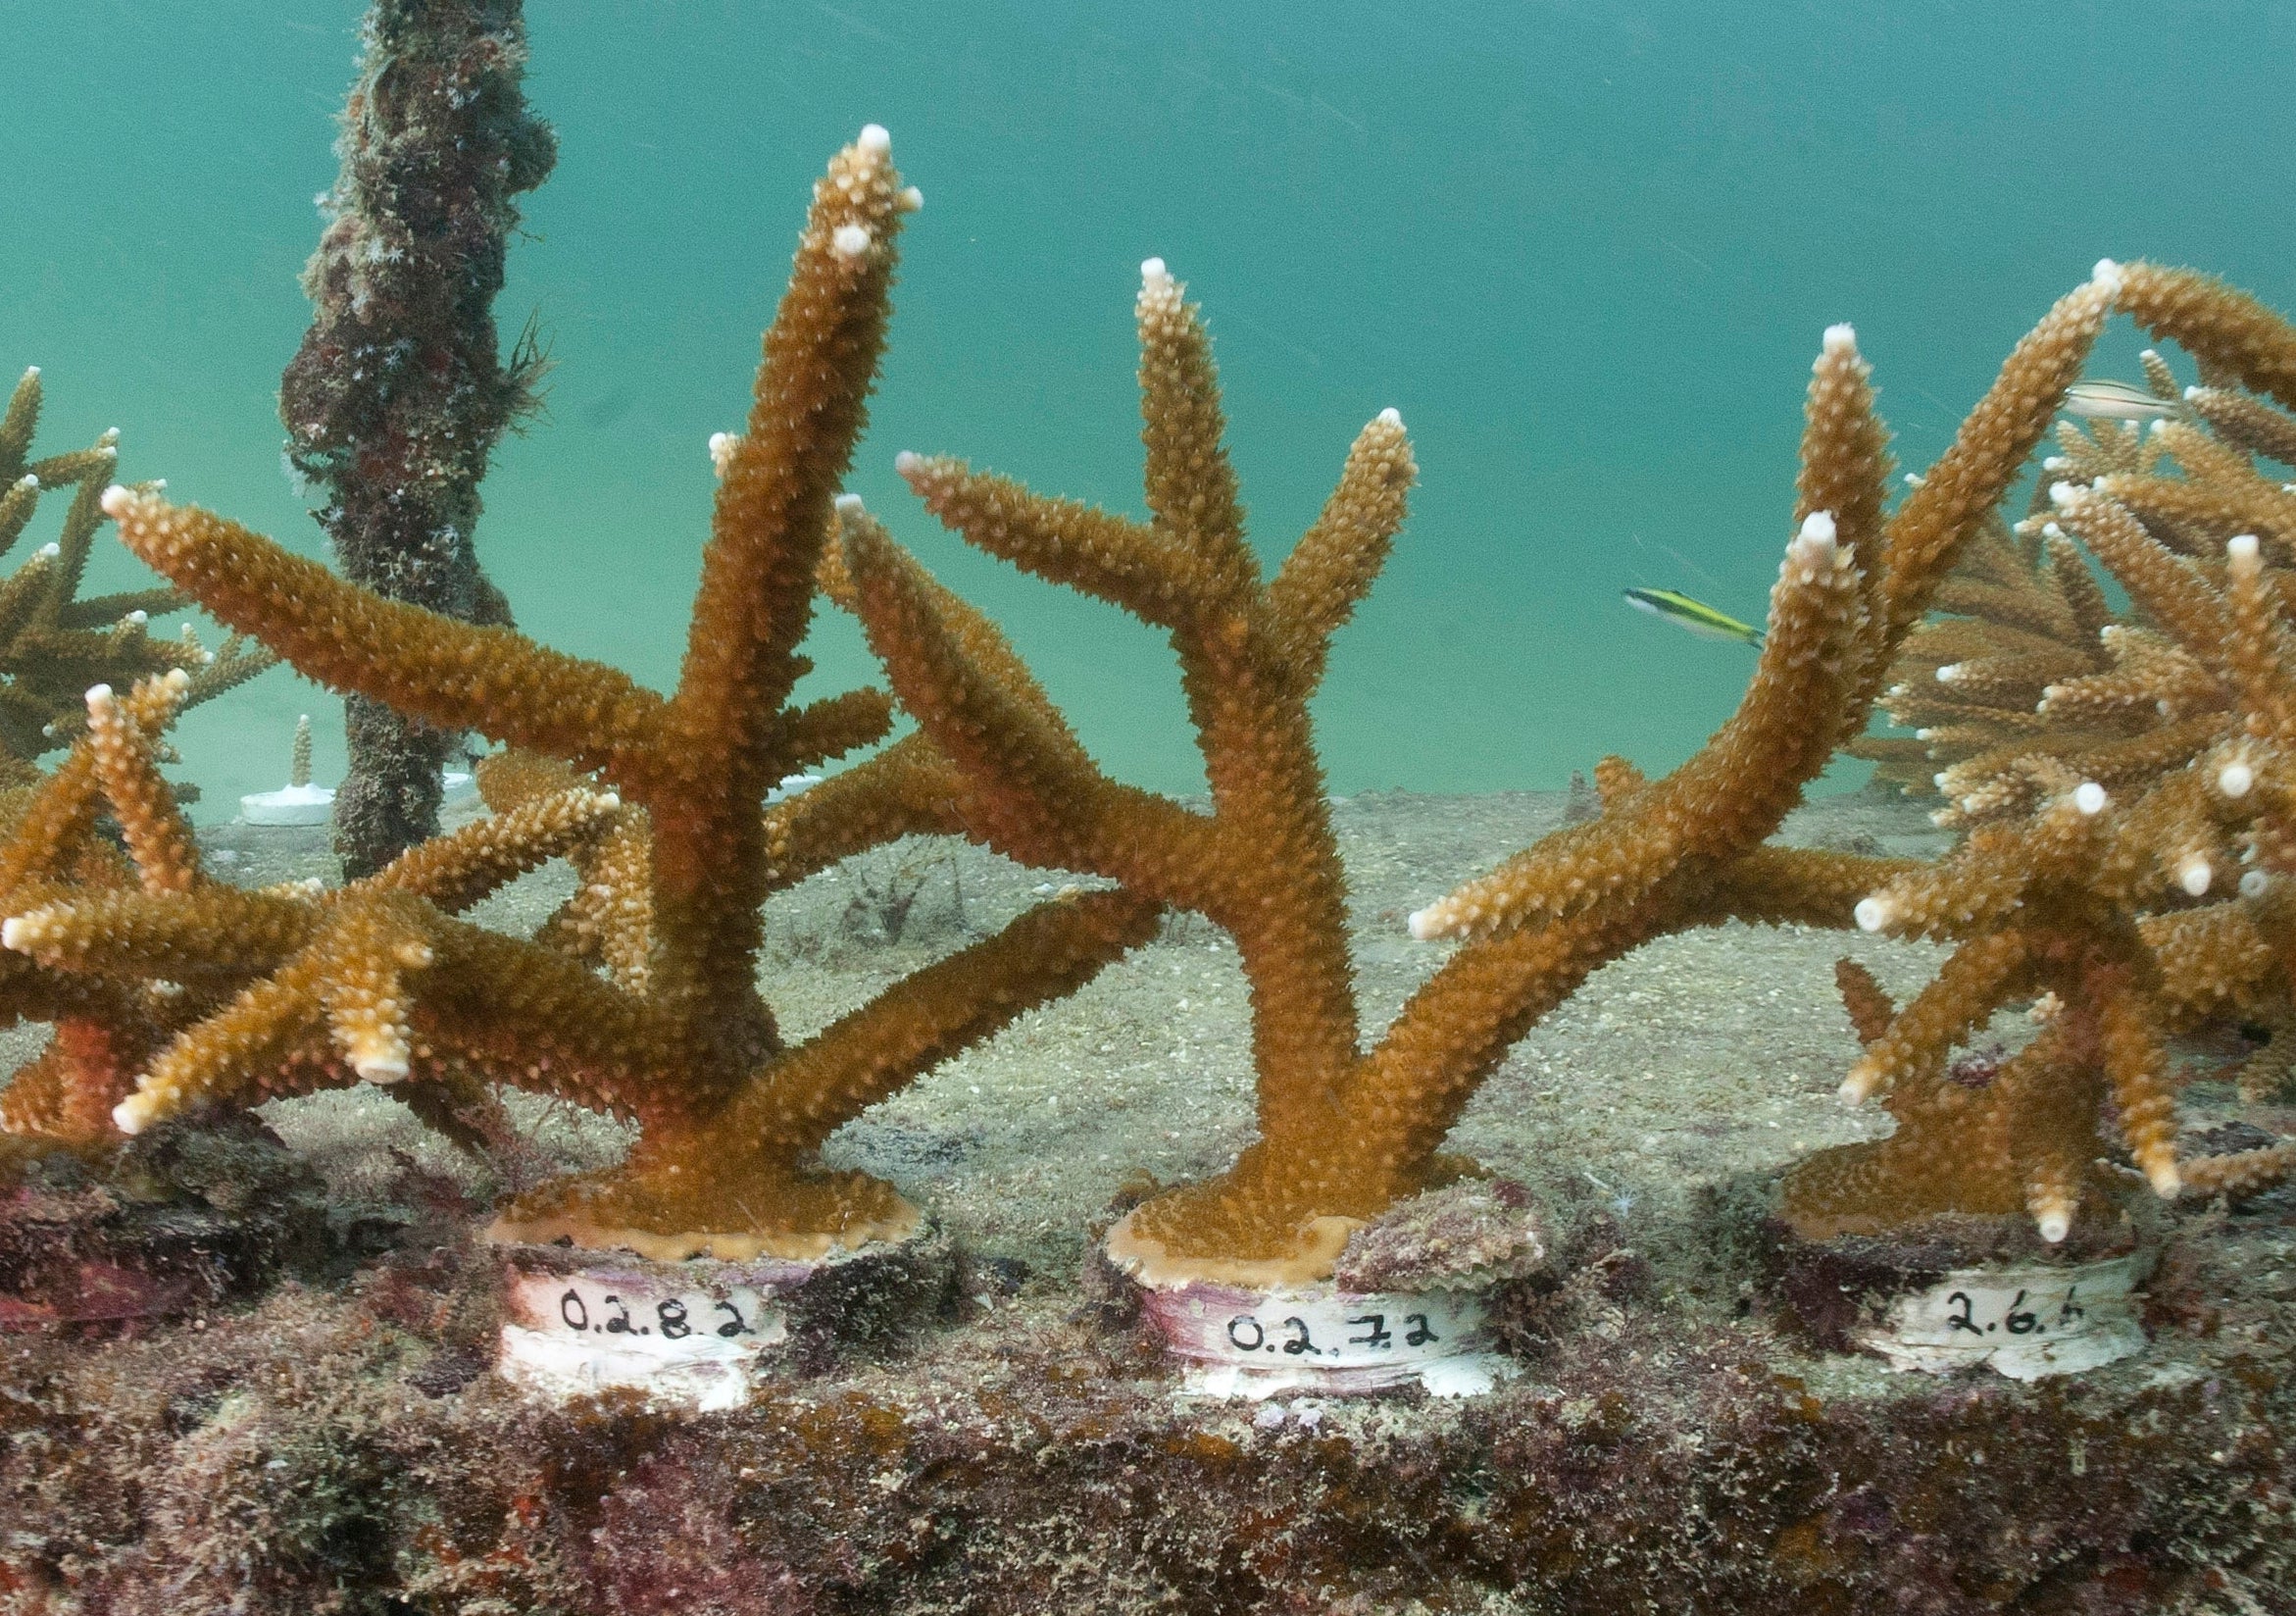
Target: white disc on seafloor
{"points": [[288, 805]]}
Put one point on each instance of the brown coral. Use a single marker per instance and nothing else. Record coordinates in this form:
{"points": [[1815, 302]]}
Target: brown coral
{"points": [[1344, 1131], [2131, 845], [54, 645], [679, 1039]]}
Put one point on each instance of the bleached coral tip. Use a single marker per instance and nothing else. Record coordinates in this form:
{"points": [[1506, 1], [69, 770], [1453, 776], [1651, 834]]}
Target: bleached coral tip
{"points": [[98, 696], [1873, 914], [1390, 416], [2166, 1181], [1948, 672], [381, 1068], [849, 241], [2106, 275], [909, 199], [2054, 1227], [2062, 494], [136, 1113], [139, 618], [49, 551], [16, 933], [2089, 797], [1426, 923], [875, 137], [908, 463], [1841, 338], [116, 498], [608, 801], [1152, 270], [2235, 780], [849, 505], [27, 480], [1818, 527], [2194, 875], [2255, 883], [2240, 547], [30, 371]]}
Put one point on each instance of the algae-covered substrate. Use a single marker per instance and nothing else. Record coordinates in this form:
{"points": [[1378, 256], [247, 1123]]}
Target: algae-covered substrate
{"points": [[337, 1442]]}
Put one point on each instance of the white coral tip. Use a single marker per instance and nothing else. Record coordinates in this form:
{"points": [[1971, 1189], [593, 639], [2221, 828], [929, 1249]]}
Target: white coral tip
{"points": [[2054, 1224], [722, 448], [1152, 271], [1841, 338], [2235, 780], [380, 1067], [849, 505], [139, 618], [2255, 883], [1426, 923], [49, 551], [909, 199], [137, 1112], [2192, 394], [1948, 672], [1818, 527], [2089, 797], [98, 696], [875, 137], [1857, 1088], [15, 933], [1874, 913], [2106, 277], [608, 801], [115, 501], [1390, 416], [849, 241], [908, 463], [2193, 874], [2063, 494], [2166, 1181], [2241, 548]]}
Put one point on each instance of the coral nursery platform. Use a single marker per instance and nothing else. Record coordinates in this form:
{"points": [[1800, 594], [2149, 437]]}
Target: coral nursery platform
{"points": [[323, 1431]]}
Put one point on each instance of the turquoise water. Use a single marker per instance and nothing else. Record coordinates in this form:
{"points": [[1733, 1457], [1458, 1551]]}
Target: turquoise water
{"points": [[1587, 249]]}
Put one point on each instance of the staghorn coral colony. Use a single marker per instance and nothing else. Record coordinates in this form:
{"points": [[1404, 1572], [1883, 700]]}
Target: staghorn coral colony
{"points": [[664, 797]]}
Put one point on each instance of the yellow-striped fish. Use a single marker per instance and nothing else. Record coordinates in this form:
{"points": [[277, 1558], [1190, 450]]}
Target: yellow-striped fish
{"points": [[1694, 615], [2115, 401]]}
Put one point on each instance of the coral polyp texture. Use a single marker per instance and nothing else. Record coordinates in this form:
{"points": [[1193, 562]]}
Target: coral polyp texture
{"points": [[2125, 780], [54, 644], [674, 1032], [1345, 1130]]}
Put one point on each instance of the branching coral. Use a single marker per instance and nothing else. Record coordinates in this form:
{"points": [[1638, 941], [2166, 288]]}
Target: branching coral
{"points": [[1343, 1130], [2130, 853], [677, 1037], [53, 645]]}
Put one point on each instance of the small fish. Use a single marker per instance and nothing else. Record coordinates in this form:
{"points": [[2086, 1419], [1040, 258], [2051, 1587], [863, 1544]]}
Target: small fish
{"points": [[1694, 615], [2115, 401]]}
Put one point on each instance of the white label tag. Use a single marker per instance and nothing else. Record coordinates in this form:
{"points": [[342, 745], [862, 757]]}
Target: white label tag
{"points": [[2026, 1322], [570, 1335], [1257, 1343]]}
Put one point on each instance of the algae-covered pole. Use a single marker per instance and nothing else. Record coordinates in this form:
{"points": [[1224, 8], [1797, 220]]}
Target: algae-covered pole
{"points": [[398, 393]]}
